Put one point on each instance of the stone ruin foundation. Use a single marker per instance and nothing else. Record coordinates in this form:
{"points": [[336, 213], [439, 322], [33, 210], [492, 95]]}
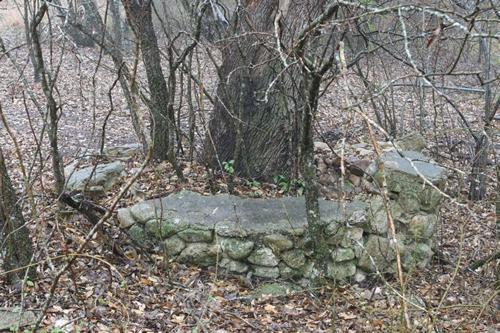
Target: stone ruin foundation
{"points": [[266, 237]]}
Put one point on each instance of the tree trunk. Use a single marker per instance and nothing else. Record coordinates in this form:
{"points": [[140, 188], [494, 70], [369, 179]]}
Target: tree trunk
{"points": [[14, 234], [139, 16], [265, 117], [117, 23], [52, 107]]}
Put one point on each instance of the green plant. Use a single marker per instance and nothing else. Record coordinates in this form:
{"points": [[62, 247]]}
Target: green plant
{"points": [[286, 185], [228, 166], [253, 184]]}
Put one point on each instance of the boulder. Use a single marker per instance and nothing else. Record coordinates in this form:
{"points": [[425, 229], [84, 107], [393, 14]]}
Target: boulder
{"points": [[201, 254], [104, 177]]}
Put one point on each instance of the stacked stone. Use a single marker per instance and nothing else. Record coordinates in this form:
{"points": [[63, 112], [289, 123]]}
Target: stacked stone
{"points": [[267, 238], [414, 187]]}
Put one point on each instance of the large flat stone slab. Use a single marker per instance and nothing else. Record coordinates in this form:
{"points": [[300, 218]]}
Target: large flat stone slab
{"points": [[227, 213]]}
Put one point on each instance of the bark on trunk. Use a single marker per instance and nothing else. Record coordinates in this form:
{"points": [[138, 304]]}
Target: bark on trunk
{"points": [[268, 129], [14, 235]]}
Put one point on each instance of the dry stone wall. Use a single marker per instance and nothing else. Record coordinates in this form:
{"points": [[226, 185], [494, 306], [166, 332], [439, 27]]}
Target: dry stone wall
{"points": [[267, 237]]}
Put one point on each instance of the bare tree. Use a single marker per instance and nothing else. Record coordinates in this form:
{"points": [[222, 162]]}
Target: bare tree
{"points": [[14, 235]]}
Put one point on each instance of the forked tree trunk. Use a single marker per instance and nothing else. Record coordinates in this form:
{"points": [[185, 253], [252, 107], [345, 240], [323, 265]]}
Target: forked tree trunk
{"points": [[16, 244]]}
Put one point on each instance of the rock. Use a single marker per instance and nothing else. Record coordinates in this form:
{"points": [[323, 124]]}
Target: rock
{"points": [[263, 257], [364, 152], [341, 254], [266, 272], [161, 229], [352, 237], [125, 218], [275, 290], [230, 229], [233, 266], [13, 319], [400, 173], [193, 235], [201, 254], [358, 218], [421, 255], [278, 242], [321, 146], [144, 212], [237, 249], [294, 258], [359, 145], [421, 227], [355, 180], [379, 222], [380, 250], [414, 142], [123, 151], [340, 271], [137, 234], [288, 273], [105, 176], [173, 245], [360, 276]]}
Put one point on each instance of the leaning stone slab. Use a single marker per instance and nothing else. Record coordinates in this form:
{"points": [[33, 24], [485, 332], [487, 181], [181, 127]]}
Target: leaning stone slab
{"points": [[14, 318], [397, 165], [105, 176]]}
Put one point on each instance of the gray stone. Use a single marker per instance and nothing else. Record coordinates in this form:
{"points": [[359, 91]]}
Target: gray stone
{"points": [[193, 235], [294, 258], [161, 229], [232, 216], [287, 272], [341, 270], [143, 212], [125, 218], [352, 237], [137, 234], [379, 222], [263, 257], [360, 276], [380, 250], [414, 142], [230, 229], [358, 218], [105, 175], [123, 151], [233, 266], [201, 254], [400, 173], [13, 319], [421, 227], [266, 272], [173, 245], [237, 249], [321, 146], [341, 254], [278, 242], [415, 256]]}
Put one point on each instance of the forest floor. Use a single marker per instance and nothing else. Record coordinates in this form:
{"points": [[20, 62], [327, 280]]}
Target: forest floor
{"points": [[126, 291]]}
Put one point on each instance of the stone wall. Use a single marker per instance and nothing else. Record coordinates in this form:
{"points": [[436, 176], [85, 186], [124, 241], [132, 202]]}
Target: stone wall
{"points": [[266, 237]]}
